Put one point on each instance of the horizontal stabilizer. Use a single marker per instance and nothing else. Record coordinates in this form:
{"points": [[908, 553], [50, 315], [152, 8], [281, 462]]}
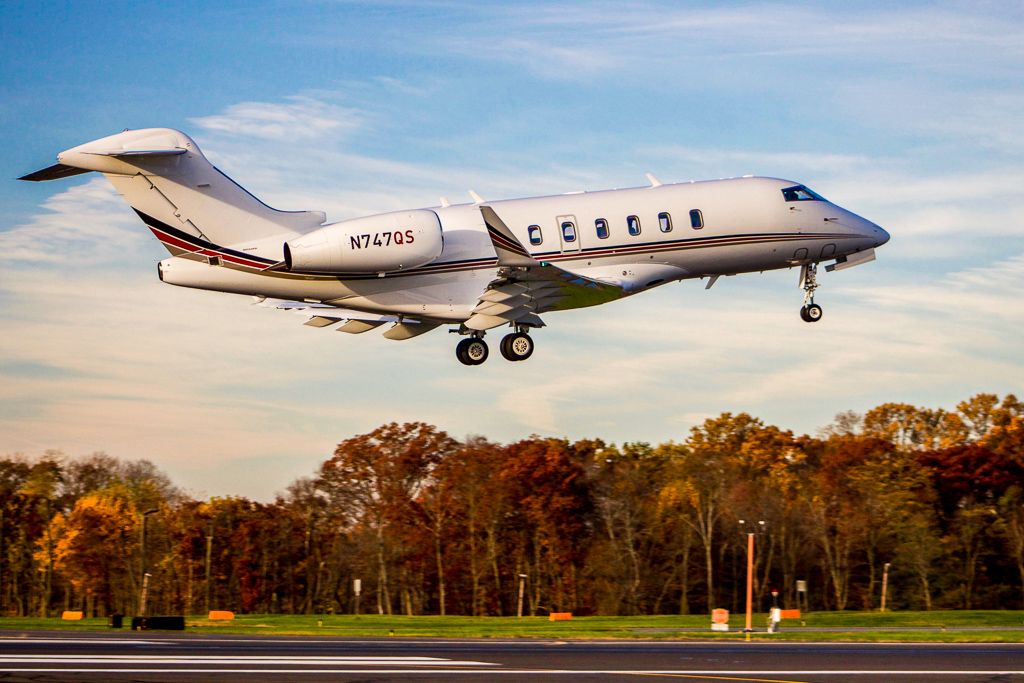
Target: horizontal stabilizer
{"points": [[174, 151], [55, 172]]}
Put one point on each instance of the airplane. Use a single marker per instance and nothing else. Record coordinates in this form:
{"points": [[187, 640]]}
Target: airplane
{"points": [[475, 266]]}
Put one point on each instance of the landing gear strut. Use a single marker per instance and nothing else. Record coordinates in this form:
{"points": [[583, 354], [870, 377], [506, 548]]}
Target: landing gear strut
{"points": [[810, 312]]}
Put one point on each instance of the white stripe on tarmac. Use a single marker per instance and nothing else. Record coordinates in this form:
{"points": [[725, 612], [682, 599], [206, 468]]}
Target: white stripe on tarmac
{"points": [[220, 660], [89, 641], [531, 672]]}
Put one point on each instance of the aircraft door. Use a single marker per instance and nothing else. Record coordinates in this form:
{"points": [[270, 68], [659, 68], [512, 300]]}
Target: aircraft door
{"points": [[568, 232]]}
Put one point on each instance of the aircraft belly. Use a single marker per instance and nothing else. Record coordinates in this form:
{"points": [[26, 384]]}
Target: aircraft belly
{"points": [[441, 295]]}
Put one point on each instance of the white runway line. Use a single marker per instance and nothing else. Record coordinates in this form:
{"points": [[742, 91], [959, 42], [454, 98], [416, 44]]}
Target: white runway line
{"points": [[251, 660], [526, 672], [79, 641]]}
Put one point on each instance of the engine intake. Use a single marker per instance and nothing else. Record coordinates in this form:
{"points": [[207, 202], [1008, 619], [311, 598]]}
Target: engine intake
{"points": [[385, 243]]}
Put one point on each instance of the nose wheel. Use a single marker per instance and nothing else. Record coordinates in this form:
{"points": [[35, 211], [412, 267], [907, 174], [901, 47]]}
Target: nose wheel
{"points": [[810, 312]]}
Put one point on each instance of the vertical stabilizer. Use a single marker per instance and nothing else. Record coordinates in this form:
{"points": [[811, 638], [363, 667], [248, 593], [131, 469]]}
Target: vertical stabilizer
{"points": [[163, 175]]}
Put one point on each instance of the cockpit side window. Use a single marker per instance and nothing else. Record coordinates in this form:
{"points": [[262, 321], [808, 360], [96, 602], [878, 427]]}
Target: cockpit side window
{"points": [[800, 193]]}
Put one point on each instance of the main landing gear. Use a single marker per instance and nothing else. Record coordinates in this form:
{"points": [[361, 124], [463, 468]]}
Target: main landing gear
{"points": [[514, 346], [810, 312]]}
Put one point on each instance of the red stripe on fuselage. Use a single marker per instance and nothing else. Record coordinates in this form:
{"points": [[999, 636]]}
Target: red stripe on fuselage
{"points": [[186, 246]]}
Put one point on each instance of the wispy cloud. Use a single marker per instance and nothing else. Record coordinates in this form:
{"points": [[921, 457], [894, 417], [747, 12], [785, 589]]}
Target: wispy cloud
{"points": [[578, 39], [83, 225], [298, 118]]}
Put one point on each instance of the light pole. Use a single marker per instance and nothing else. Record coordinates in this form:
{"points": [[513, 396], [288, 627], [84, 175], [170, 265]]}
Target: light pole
{"points": [[145, 592], [885, 584], [750, 570], [522, 585], [142, 560]]}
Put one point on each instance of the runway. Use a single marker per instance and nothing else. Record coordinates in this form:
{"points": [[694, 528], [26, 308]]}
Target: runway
{"points": [[51, 656]]}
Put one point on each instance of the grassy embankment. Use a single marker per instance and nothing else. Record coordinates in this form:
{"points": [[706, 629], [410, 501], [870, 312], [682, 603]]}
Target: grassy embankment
{"points": [[938, 626]]}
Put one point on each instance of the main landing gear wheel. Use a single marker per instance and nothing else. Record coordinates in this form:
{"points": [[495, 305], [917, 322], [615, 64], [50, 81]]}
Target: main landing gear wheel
{"points": [[811, 313], [472, 351], [516, 346]]}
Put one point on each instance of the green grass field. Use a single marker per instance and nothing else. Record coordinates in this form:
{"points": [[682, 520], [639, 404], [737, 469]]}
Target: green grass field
{"points": [[939, 626]]}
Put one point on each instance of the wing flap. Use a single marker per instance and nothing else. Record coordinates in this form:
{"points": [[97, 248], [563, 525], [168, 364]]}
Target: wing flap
{"points": [[354, 326], [403, 330], [355, 322]]}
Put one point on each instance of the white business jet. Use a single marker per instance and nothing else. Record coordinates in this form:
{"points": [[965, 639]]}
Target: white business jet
{"points": [[476, 266]]}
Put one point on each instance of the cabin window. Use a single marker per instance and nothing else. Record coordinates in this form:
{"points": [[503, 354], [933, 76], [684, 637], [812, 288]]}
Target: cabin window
{"points": [[568, 231], [665, 221], [633, 225], [696, 219], [601, 226], [535, 237], [800, 193]]}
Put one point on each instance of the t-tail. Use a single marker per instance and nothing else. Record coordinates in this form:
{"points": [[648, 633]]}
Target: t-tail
{"points": [[190, 205]]}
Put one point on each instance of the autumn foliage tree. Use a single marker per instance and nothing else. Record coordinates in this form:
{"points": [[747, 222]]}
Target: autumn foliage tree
{"points": [[433, 525]]}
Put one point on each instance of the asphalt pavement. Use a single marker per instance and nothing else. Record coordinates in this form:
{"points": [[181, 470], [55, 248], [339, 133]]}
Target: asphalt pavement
{"points": [[40, 656]]}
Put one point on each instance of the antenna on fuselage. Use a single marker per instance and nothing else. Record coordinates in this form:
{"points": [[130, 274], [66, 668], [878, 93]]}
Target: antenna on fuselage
{"points": [[477, 199], [652, 180]]}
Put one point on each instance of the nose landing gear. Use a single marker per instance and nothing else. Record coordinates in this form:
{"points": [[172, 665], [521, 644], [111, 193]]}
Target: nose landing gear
{"points": [[810, 312]]}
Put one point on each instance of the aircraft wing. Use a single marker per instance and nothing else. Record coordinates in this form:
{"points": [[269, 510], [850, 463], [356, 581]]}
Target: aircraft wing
{"points": [[526, 287], [354, 322]]}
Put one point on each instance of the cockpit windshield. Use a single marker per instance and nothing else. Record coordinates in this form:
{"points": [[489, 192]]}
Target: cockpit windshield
{"points": [[800, 193]]}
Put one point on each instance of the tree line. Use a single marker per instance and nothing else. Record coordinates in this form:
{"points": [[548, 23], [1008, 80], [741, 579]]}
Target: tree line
{"points": [[434, 525]]}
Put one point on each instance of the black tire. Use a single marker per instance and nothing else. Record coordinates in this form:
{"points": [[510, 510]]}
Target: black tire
{"points": [[516, 346], [460, 352], [803, 314], [814, 313], [472, 351]]}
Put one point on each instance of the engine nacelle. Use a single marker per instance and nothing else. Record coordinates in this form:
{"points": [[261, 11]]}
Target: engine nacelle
{"points": [[384, 243]]}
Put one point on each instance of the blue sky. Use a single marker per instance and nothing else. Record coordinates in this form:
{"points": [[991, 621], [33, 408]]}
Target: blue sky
{"points": [[910, 115]]}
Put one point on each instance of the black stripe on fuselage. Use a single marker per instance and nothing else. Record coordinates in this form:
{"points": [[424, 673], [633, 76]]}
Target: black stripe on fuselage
{"points": [[685, 243], [707, 242], [197, 241]]}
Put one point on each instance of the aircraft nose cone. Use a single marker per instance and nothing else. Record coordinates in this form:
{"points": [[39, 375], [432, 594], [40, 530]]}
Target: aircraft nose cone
{"points": [[881, 236]]}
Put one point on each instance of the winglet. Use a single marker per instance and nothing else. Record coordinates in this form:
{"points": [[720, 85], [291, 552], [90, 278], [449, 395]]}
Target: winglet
{"points": [[511, 251]]}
